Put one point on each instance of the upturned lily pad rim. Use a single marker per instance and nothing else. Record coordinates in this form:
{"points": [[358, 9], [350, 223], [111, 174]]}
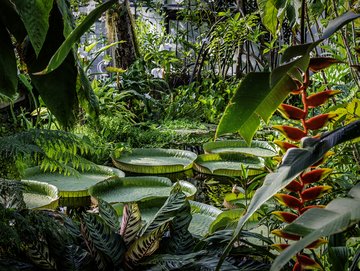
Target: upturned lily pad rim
{"points": [[263, 148], [202, 164], [139, 181], [105, 171], [42, 188], [121, 163]]}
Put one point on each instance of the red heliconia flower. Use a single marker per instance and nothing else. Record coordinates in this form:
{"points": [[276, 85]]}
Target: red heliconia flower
{"points": [[319, 63], [291, 133], [285, 235], [285, 216], [307, 262], [280, 247], [320, 98], [317, 243], [291, 112], [319, 121], [294, 186], [284, 145], [315, 192], [315, 175], [297, 267], [289, 201], [303, 210]]}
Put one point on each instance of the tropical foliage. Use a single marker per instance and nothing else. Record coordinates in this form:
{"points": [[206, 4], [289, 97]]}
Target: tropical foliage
{"points": [[251, 106]]}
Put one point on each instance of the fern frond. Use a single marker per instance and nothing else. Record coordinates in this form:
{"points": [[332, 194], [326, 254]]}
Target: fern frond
{"points": [[52, 150]]}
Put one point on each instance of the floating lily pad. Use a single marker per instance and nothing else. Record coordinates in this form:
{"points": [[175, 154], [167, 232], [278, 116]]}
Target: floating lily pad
{"points": [[229, 164], [203, 215], [73, 185], [257, 148], [130, 189], [40, 195], [155, 161]]}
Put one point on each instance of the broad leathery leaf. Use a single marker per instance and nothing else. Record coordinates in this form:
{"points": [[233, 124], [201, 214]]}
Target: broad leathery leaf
{"points": [[339, 22], [131, 222], [68, 18], [108, 213], [35, 15], [57, 89], [8, 66], [12, 21], [294, 162], [337, 216], [74, 36], [104, 238], [146, 245]]}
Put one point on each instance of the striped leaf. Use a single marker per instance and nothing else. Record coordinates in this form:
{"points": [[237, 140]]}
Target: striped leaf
{"points": [[39, 254], [174, 203], [131, 222], [75, 258], [108, 213], [146, 245], [104, 239]]}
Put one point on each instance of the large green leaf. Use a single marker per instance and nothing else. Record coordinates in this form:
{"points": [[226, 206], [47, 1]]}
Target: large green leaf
{"points": [[229, 164], [295, 161], [256, 148], [63, 51], [155, 161], [8, 66], [337, 216], [35, 15], [73, 185], [12, 21], [40, 195], [131, 189]]}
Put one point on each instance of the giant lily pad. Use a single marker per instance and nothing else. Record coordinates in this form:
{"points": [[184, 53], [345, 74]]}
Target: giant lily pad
{"points": [[40, 195], [257, 148], [229, 164], [73, 185], [130, 189], [155, 161], [203, 215]]}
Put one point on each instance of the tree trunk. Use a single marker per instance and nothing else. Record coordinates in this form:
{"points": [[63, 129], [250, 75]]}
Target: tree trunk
{"points": [[120, 27]]}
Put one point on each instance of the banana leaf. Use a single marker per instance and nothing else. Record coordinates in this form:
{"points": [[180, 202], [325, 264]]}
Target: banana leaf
{"points": [[74, 185], [229, 164], [155, 161], [256, 148], [132, 189], [40, 195]]}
